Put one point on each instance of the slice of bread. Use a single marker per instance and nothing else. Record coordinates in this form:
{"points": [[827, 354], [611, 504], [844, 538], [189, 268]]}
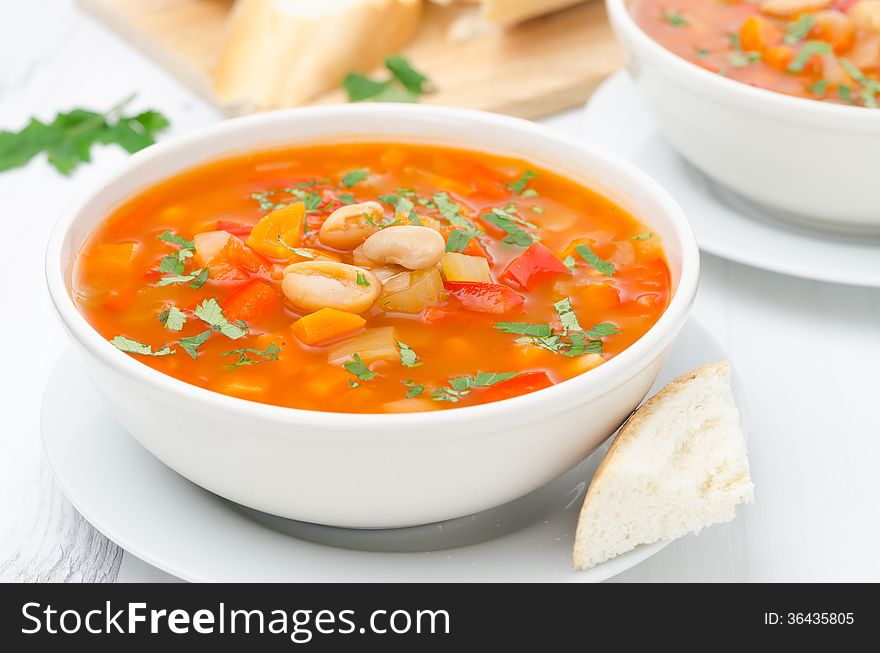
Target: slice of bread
{"points": [[677, 465], [280, 53], [510, 12]]}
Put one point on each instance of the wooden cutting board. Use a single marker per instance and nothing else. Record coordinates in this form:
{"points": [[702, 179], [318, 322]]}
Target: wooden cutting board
{"points": [[540, 67]]}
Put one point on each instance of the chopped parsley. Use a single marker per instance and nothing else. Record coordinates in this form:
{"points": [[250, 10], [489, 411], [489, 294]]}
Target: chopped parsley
{"points": [[508, 222], [195, 279], [819, 88], [451, 212], [797, 30], [302, 253], [524, 329], [130, 346], [172, 318], [569, 262], [650, 234], [415, 389], [354, 177], [408, 357], [270, 353], [191, 345], [567, 316], [346, 198], [808, 51], [603, 266], [210, 313], [174, 239], [675, 18], [601, 330], [406, 84], [362, 279], [357, 367], [519, 186], [741, 59], [460, 386], [458, 240]]}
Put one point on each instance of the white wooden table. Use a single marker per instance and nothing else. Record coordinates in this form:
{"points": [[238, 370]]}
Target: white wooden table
{"points": [[808, 354]]}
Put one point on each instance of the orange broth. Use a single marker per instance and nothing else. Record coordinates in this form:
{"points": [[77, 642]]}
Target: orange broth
{"points": [[623, 287]]}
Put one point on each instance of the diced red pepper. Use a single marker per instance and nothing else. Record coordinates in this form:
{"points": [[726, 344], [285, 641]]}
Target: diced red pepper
{"points": [[535, 266], [236, 262], [252, 301], [518, 385], [484, 297], [235, 228], [437, 315]]}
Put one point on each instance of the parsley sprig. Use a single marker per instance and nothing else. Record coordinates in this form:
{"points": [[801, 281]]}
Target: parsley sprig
{"points": [[405, 84], [460, 386]]}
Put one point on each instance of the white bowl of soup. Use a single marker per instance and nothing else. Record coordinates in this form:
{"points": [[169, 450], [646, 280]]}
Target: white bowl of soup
{"points": [[373, 316], [776, 100]]}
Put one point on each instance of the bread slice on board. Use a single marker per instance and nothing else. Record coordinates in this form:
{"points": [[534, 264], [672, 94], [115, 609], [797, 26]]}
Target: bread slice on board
{"points": [[286, 52], [679, 464], [510, 12]]}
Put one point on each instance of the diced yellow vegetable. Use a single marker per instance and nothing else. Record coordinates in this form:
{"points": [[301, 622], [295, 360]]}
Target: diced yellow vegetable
{"points": [[425, 287], [378, 344], [286, 222], [461, 267], [209, 244]]}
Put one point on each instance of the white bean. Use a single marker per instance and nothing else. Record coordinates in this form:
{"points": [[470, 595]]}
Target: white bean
{"points": [[312, 285], [349, 226], [413, 247]]}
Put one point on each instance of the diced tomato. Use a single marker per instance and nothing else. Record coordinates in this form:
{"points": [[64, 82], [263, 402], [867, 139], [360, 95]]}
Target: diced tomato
{"points": [[437, 315], [518, 385], [252, 301], [234, 228], [535, 266], [484, 297], [236, 262]]}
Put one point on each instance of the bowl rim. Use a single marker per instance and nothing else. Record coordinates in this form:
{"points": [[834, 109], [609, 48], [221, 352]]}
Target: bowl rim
{"points": [[850, 118], [602, 379]]}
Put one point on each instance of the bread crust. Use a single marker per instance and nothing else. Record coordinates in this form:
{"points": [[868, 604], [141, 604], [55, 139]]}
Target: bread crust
{"points": [[627, 434]]}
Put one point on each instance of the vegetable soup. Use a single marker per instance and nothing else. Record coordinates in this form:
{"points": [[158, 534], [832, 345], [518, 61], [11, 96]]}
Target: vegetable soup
{"points": [[371, 277], [821, 49]]}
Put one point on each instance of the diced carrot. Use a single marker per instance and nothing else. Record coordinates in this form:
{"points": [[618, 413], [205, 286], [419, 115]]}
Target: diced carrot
{"points": [[327, 324], [602, 295], [518, 385], [236, 261], [286, 223], [759, 33], [252, 301], [115, 255], [779, 57]]}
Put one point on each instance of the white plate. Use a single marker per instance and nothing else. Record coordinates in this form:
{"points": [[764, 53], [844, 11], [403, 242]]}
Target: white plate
{"points": [[725, 225], [184, 530]]}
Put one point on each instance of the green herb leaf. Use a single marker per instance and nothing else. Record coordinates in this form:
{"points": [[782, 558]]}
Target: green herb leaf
{"points": [[414, 218], [643, 236], [506, 221], [451, 212], [601, 330], [818, 88], [191, 345], [675, 18], [270, 353], [524, 329], [346, 198], [359, 368], [362, 279], [68, 139], [408, 357], [411, 79], [461, 385], [210, 312], [567, 316], [603, 266], [172, 318], [130, 346], [174, 239], [809, 50], [353, 177], [569, 262], [742, 59], [520, 184], [415, 389], [195, 279], [302, 253], [797, 30], [458, 240], [844, 92], [360, 87]]}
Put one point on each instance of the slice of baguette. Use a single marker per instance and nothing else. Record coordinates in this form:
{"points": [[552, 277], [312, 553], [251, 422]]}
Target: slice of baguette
{"points": [[510, 12], [280, 53], [677, 465]]}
